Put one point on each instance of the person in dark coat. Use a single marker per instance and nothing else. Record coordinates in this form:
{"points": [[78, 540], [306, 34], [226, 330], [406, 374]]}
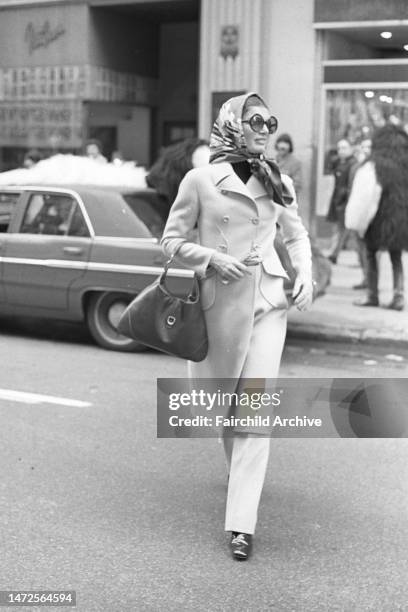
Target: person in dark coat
{"points": [[389, 228], [342, 170], [173, 164]]}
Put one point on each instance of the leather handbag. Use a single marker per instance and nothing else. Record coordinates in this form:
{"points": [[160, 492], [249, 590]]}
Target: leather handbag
{"points": [[164, 321]]}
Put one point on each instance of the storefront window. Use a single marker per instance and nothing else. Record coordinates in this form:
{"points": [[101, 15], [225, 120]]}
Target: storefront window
{"points": [[355, 114]]}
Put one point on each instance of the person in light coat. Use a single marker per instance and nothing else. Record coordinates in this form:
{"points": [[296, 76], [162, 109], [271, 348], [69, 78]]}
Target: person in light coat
{"points": [[378, 210], [235, 203]]}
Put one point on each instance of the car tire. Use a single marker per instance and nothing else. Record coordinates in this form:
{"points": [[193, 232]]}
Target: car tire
{"points": [[102, 312]]}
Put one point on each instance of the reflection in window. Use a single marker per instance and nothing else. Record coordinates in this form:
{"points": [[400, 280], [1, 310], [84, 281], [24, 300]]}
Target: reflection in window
{"points": [[355, 114]]}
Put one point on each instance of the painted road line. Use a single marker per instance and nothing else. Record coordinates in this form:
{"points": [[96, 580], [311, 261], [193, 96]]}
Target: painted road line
{"points": [[37, 398]]}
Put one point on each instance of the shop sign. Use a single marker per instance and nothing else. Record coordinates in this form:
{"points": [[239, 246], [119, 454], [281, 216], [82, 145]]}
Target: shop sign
{"points": [[42, 36], [41, 124]]}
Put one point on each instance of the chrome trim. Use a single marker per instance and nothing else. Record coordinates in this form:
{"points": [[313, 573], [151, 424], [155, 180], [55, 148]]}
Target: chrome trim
{"points": [[130, 268], [97, 266], [100, 238]]}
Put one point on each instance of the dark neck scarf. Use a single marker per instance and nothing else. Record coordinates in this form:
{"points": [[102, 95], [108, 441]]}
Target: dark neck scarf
{"points": [[242, 170], [228, 145]]}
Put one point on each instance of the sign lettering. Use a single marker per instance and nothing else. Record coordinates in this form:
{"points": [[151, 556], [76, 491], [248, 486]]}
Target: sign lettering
{"points": [[42, 36]]}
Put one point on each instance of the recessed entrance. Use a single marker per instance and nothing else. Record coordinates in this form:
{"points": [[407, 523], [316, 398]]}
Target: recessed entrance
{"points": [[157, 44]]}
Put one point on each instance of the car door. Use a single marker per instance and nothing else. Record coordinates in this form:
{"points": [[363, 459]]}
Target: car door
{"points": [[8, 202], [45, 251]]}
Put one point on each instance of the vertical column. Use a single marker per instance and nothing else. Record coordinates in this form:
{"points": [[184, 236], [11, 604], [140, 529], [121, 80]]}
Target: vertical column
{"points": [[223, 69], [289, 70]]}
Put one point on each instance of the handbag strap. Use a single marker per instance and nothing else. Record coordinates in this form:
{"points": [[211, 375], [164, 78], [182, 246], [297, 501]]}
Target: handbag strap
{"points": [[194, 293]]}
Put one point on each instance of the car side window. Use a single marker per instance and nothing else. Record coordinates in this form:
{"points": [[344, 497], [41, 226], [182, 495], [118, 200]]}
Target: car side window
{"points": [[53, 214], [8, 201], [78, 226]]}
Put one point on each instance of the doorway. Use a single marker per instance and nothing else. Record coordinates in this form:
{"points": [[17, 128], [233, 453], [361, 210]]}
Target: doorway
{"points": [[157, 43]]}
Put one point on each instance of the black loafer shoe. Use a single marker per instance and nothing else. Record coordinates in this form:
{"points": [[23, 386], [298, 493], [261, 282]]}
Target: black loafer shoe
{"points": [[241, 545]]}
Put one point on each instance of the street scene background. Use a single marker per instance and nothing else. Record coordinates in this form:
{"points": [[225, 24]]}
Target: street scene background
{"points": [[92, 501], [100, 98]]}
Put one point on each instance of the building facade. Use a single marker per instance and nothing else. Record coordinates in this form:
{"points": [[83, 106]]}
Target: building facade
{"points": [[139, 74]]}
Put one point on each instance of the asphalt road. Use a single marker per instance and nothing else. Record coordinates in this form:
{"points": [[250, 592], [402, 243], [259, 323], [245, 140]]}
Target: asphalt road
{"points": [[91, 500]]}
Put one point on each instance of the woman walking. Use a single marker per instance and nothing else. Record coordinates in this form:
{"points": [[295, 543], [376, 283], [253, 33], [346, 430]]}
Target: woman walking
{"points": [[237, 201]]}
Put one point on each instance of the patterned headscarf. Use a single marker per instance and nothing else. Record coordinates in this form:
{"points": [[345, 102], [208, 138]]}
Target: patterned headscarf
{"points": [[227, 143]]}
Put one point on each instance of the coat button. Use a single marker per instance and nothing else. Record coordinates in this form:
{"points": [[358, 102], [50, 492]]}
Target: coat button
{"points": [[255, 220], [225, 218]]}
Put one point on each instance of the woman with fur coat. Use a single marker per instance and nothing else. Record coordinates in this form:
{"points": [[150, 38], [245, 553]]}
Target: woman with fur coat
{"points": [[378, 209]]}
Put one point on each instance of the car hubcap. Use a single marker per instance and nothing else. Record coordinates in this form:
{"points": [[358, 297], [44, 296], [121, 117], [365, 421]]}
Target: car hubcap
{"points": [[115, 312]]}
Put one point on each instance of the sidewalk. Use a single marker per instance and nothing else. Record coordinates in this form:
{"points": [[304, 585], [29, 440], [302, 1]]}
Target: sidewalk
{"points": [[334, 317]]}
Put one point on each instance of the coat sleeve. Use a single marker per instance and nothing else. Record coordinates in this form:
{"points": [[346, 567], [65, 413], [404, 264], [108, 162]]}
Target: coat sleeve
{"points": [[177, 235], [295, 235]]}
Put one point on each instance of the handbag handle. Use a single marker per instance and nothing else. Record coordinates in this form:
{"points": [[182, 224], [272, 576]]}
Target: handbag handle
{"points": [[194, 294]]}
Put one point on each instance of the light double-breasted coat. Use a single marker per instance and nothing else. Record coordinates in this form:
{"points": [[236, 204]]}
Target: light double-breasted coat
{"points": [[233, 217]]}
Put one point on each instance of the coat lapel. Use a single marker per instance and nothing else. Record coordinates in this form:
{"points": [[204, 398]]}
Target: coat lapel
{"points": [[226, 180], [256, 188]]}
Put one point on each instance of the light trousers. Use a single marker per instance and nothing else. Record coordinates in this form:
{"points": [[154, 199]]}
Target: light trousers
{"points": [[249, 460], [247, 454]]}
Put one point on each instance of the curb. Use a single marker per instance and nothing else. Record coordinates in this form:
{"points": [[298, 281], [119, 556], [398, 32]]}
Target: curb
{"points": [[354, 335]]}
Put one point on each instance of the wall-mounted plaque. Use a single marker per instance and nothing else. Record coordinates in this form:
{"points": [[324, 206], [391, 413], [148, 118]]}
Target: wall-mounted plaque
{"points": [[229, 41]]}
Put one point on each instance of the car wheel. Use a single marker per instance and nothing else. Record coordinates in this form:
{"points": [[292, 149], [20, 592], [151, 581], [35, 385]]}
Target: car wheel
{"points": [[102, 315]]}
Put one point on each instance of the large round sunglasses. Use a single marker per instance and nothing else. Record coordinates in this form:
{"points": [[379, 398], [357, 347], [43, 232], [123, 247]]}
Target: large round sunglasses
{"points": [[257, 123]]}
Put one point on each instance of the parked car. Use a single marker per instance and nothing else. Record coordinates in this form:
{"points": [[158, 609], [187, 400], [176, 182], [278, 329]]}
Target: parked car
{"points": [[82, 253], [79, 253]]}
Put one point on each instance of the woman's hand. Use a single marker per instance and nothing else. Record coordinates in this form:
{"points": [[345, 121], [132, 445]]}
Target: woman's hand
{"points": [[228, 267], [302, 293]]}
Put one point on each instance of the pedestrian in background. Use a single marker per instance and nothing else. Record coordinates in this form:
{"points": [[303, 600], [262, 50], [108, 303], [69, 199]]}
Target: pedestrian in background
{"points": [[172, 165], [342, 171], [117, 159], [287, 162], [237, 201], [31, 158], [378, 209], [93, 150]]}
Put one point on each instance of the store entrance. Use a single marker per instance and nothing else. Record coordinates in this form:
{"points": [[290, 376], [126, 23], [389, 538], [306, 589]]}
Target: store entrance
{"points": [[365, 75], [151, 52]]}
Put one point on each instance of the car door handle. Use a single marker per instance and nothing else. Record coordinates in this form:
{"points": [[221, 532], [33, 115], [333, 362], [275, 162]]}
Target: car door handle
{"points": [[72, 250]]}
